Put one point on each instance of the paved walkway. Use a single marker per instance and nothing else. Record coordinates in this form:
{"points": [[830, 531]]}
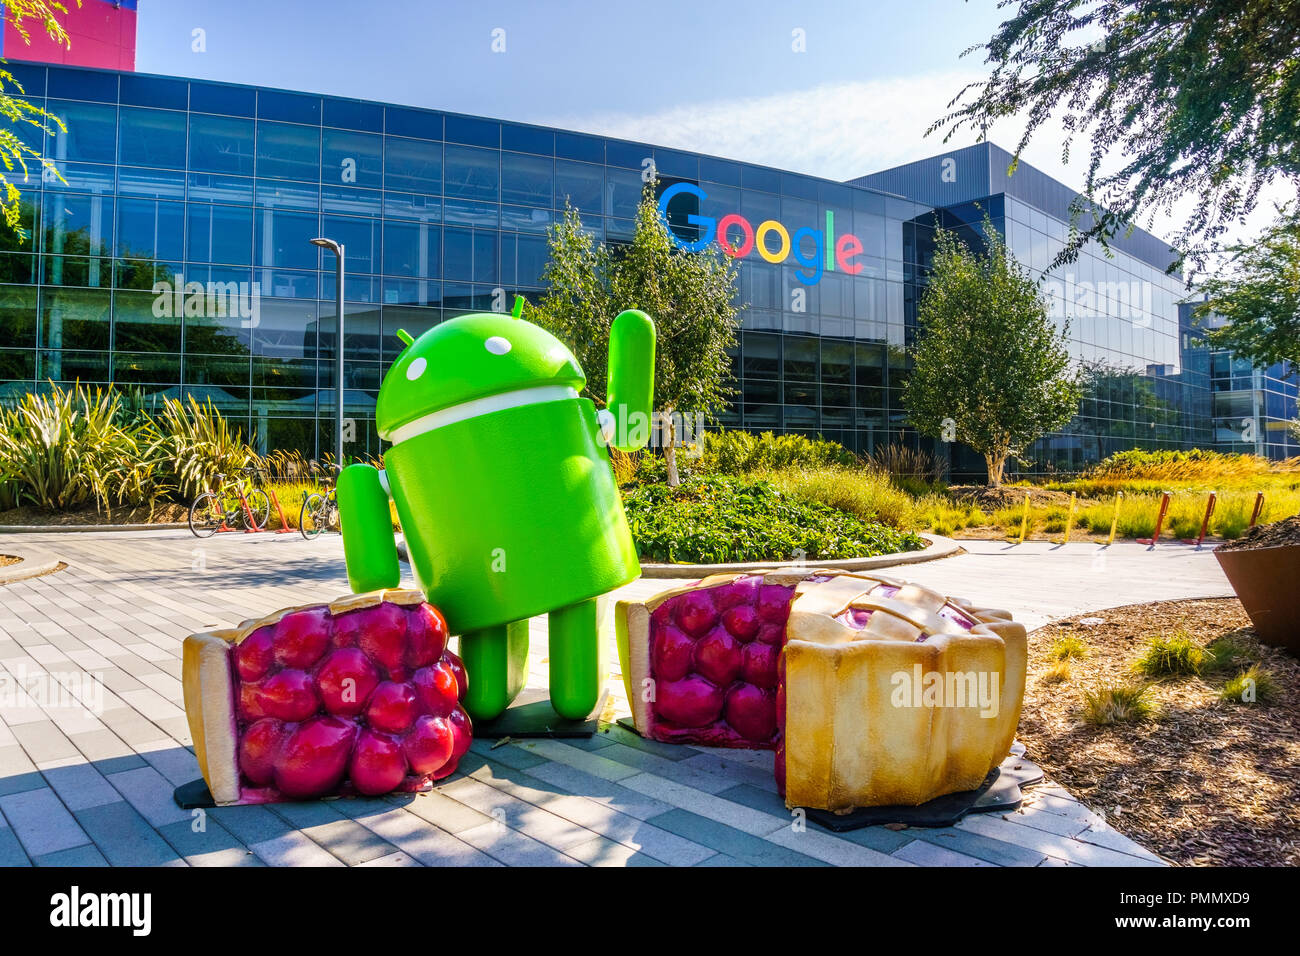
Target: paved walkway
{"points": [[82, 786]]}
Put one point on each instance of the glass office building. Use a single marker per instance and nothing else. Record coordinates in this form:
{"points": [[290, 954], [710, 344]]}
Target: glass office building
{"points": [[175, 256]]}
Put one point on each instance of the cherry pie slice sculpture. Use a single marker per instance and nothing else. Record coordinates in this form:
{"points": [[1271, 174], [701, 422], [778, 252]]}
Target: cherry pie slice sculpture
{"points": [[872, 691], [360, 696]]}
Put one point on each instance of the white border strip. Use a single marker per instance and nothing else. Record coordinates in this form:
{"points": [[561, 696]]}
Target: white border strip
{"points": [[481, 406]]}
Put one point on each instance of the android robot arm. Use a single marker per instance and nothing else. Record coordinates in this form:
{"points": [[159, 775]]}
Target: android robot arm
{"points": [[630, 391], [369, 548]]}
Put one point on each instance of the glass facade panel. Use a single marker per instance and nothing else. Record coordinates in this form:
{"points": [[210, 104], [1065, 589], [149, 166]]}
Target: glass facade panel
{"points": [[225, 186]]}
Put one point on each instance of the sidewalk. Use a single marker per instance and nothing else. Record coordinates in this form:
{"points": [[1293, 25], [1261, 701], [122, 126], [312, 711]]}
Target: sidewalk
{"points": [[83, 788]]}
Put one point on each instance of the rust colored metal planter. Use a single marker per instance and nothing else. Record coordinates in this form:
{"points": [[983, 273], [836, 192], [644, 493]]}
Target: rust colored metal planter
{"points": [[1268, 582]]}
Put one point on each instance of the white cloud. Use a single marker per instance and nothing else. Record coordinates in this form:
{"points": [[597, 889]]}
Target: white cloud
{"points": [[844, 130]]}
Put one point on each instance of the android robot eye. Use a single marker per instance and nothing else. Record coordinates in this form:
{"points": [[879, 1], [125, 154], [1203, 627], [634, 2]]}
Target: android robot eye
{"points": [[497, 345], [416, 368]]}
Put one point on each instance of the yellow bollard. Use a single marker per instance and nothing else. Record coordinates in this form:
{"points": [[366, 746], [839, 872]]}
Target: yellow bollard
{"points": [[1024, 521], [1069, 519], [1114, 522]]}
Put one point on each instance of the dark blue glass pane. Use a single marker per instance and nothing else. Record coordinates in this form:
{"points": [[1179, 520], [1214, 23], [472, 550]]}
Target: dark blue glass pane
{"points": [[754, 177], [473, 131], [30, 76], [82, 85], [581, 184], [158, 91], [472, 173], [81, 225], [527, 139], [351, 201], [628, 155], [411, 249], [801, 186], [149, 230], [361, 239], [353, 114], [589, 149], [623, 192], [221, 145], [227, 100], [151, 183], [673, 163], [412, 165], [91, 135], [220, 234], [288, 152], [283, 238], [526, 180], [288, 107], [352, 159], [204, 187], [151, 138], [418, 123], [457, 253]]}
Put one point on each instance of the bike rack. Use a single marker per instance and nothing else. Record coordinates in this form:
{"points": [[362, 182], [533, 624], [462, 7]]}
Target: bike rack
{"points": [[1160, 521], [1205, 522], [284, 523]]}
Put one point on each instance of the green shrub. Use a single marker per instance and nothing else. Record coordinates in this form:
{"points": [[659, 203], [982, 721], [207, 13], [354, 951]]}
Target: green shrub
{"points": [[1117, 704], [737, 452], [1174, 656], [1069, 647], [869, 495], [719, 518], [1255, 685], [197, 442]]}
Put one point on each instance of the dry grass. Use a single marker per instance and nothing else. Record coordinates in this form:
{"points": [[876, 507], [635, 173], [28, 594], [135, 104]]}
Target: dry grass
{"points": [[1204, 781]]}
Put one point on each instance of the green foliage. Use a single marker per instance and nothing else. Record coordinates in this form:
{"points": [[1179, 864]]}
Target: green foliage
{"points": [[1117, 704], [1259, 295], [66, 449], [18, 110], [866, 493], [720, 518], [691, 297], [1255, 685], [1175, 655], [1178, 99], [738, 452], [988, 360], [1069, 647]]}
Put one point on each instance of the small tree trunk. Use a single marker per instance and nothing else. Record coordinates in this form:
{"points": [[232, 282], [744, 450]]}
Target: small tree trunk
{"points": [[670, 449], [996, 462]]}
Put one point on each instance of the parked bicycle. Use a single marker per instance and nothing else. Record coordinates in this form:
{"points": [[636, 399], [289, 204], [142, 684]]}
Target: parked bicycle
{"points": [[320, 509], [237, 504]]}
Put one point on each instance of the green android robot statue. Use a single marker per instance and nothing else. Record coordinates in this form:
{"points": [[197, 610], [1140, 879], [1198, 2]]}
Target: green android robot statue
{"points": [[505, 495]]}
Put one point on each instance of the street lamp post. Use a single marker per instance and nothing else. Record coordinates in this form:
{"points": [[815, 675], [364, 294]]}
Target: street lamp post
{"points": [[337, 249]]}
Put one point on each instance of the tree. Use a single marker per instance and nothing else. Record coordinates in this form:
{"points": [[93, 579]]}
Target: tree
{"points": [[17, 111], [989, 367], [1259, 296], [1199, 97], [690, 296]]}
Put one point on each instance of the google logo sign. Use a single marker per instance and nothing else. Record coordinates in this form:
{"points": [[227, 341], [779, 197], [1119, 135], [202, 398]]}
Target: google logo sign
{"points": [[773, 241]]}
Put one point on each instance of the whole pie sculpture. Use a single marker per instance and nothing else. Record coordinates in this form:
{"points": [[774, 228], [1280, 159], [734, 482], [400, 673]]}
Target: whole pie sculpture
{"points": [[357, 696], [872, 691]]}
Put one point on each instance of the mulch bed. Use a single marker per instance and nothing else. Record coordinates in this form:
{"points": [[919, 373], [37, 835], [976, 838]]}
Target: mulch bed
{"points": [[1276, 534], [1206, 783], [27, 516], [992, 499]]}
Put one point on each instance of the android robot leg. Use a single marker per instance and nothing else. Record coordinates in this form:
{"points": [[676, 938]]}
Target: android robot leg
{"points": [[496, 663], [577, 671]]}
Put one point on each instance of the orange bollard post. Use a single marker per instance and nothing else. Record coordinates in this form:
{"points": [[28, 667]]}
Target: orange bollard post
{"points": [[1160, 521], [1205, 522], [1259, 507], [284, 522]]}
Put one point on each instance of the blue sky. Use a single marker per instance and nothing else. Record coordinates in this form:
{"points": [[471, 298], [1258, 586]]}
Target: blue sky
{"points": [[718, 77]]}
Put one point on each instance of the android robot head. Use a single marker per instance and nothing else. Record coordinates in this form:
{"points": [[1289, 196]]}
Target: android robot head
{"points": [[499, 473]]}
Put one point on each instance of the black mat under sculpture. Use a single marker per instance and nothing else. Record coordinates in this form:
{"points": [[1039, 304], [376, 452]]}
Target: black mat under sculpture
{"points": [[531, 715], [194, 795], [1001, 790]]}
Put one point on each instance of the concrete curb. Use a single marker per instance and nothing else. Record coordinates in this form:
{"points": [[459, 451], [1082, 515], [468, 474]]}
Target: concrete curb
{"points": [[940, 547], [33, 563], [69, 528]]}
